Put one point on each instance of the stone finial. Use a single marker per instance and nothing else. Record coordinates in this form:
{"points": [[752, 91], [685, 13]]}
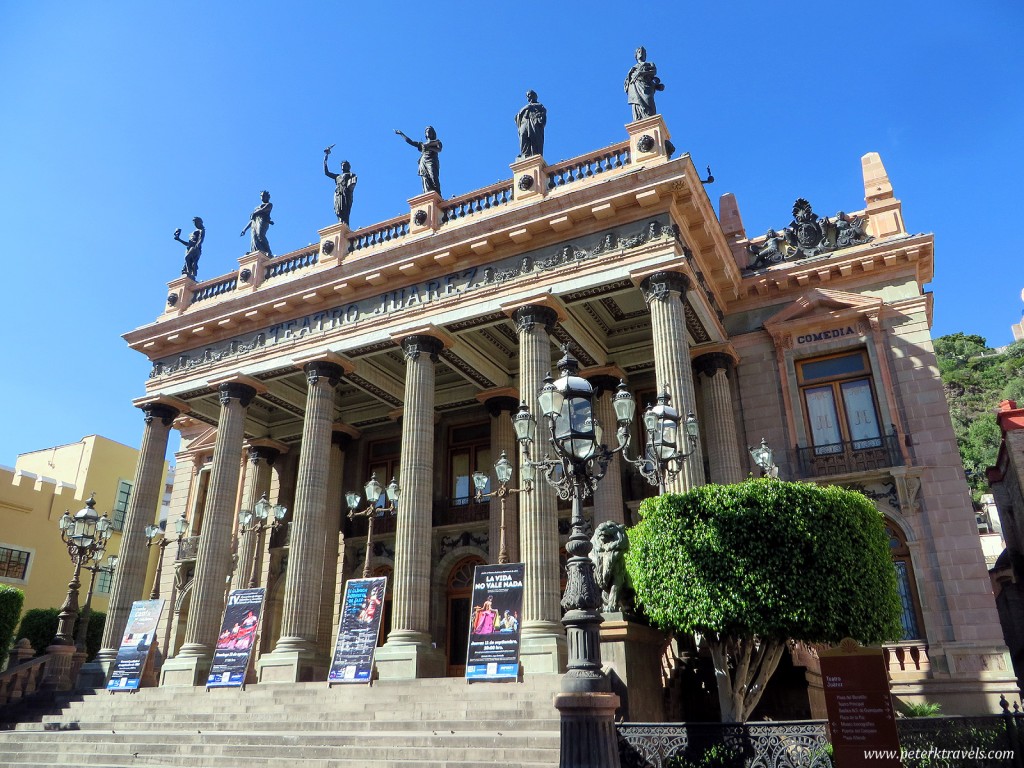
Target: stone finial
{"points": [[729, 216], [885, 212]]}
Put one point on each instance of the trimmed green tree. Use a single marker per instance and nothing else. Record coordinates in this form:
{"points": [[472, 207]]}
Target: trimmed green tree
{"points": [[11, 601], [749, 567]]}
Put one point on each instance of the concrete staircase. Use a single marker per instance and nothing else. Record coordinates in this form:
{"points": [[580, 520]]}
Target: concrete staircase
{"points": [[423, 723]]}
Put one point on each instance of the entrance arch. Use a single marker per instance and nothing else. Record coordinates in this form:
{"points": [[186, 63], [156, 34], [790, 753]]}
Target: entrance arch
{"points": [[459, 595]]}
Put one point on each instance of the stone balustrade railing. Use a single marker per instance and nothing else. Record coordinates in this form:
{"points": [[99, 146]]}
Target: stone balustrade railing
{"points": [[581, 168], [23, 680], [498, 195], [378, 234], [477, 202]]}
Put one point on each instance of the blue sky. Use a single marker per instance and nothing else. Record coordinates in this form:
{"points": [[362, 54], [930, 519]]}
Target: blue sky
{"points": [[121, 121]]}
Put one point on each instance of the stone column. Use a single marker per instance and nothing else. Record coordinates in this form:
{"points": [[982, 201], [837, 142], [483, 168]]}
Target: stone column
{"points": [[213, 561], [718, 425], [250, 544], [665, 293], [325, 634], [608, 504], [130, 574], [292, 660], [543, 649], [409, 652], [503, 438]]}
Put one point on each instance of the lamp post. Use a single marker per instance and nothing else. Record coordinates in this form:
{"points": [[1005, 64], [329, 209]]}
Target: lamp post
{"points": [[580, 461], [662, 458], [373, 491], [93, 568], [256, 521], [151, 533], [762, 456], [84, 533], [503, 469]]}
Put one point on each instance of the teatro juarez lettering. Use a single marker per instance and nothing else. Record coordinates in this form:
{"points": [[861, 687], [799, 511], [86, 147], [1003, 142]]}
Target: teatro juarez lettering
{"points": [[831, 333]]}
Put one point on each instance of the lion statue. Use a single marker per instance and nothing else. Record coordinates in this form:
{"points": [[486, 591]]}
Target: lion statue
{"points": [[609, 557]]}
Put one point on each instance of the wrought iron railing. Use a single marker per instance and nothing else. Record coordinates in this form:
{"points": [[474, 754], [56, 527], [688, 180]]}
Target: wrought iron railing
{"points": [[991, 741], [460, 511], [849, 456], [188, 549]]}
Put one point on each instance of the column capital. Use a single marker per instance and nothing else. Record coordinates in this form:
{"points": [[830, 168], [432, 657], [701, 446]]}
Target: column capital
{"points": [[165, 413], [316, 368], [497, 399], [528, 316], [258, 453], [658, 285], [602, 382], [712, 362], [161, 406], [416, 343], [235, 390], [343, 434]]}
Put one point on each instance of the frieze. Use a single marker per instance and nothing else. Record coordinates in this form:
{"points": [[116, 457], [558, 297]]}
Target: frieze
{"points": [[419, 294], [807, 236], [468, 370], [597, 290]]}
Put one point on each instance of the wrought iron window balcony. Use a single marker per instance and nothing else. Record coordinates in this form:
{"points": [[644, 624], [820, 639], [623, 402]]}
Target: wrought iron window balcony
{"points": [[188, 549], [849, 456]]}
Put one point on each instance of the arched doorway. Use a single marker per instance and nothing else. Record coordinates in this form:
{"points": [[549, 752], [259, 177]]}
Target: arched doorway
{"points": [[460, 599], [385, 619]]}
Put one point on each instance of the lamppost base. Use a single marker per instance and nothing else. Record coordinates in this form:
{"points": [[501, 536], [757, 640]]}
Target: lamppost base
{"points": [[588, 738]]}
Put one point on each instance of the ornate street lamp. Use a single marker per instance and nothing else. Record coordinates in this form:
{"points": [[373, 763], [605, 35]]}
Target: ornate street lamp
{"points": [[84, 533], [580, 461], [762, 456], [374, 507], [663, 458], [94, 567], [503, 469], [265, 516], [152, 531]]}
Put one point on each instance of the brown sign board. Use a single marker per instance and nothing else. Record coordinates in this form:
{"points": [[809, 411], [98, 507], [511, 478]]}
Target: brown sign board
{"points": [[860, 714]]}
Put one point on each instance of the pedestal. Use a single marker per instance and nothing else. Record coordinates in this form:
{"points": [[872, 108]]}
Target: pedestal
{"points": [[287, 666], [588, 737], [544, 654], [92, 675], [631, 653], [59, 675], [185, 670], [409, 661]]}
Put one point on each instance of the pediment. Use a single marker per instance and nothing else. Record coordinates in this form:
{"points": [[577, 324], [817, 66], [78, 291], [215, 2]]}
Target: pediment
{"points": [[822, 304]]}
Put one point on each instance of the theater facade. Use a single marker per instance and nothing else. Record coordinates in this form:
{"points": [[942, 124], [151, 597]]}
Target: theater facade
{"points": [[402, 349]]}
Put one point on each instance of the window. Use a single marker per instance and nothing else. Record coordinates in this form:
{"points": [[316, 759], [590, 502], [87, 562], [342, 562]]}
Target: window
{"points": [[120, 509], [13, 563], [839, 403], [910, 615], [104, 581], [384, 463], [469, 450]]}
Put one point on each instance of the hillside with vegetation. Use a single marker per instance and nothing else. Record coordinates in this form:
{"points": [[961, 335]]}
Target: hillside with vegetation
{"points": [[976, 378]]}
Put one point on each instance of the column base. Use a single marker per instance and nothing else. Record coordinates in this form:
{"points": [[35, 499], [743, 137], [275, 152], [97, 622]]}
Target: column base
{"points": [[402, 660], [543, 650], [289, 666], [93, 674], [588, 738], [631, 653], [185, 670]]}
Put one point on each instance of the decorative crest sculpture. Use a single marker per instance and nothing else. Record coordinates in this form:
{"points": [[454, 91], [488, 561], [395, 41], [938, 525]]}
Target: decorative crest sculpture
{"points": [[807, 236]]}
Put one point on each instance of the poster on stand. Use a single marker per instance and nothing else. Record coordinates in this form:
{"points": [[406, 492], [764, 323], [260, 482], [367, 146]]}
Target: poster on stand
{"points": [[134, 653], [494, 622], [361, 611], [237, 636]]}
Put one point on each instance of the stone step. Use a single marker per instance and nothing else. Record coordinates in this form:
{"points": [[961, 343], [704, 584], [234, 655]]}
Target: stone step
{"points": [[140, 748], [253, 724]]}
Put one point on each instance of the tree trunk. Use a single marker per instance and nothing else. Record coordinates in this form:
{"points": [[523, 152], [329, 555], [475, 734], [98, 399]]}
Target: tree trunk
{"points": [[743, 666]]}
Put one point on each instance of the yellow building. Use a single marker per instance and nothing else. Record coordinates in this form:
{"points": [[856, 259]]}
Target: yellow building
{"points": [[33, 496]]}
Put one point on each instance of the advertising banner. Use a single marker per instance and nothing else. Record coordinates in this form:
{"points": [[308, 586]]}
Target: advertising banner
{"points": [[134, 652], [361, 611], [236, 638], [494, 622]]}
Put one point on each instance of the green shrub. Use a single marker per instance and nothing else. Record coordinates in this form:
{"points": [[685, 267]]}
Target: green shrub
{"points": [[921, 708], [11, 600], [39, 625]]}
